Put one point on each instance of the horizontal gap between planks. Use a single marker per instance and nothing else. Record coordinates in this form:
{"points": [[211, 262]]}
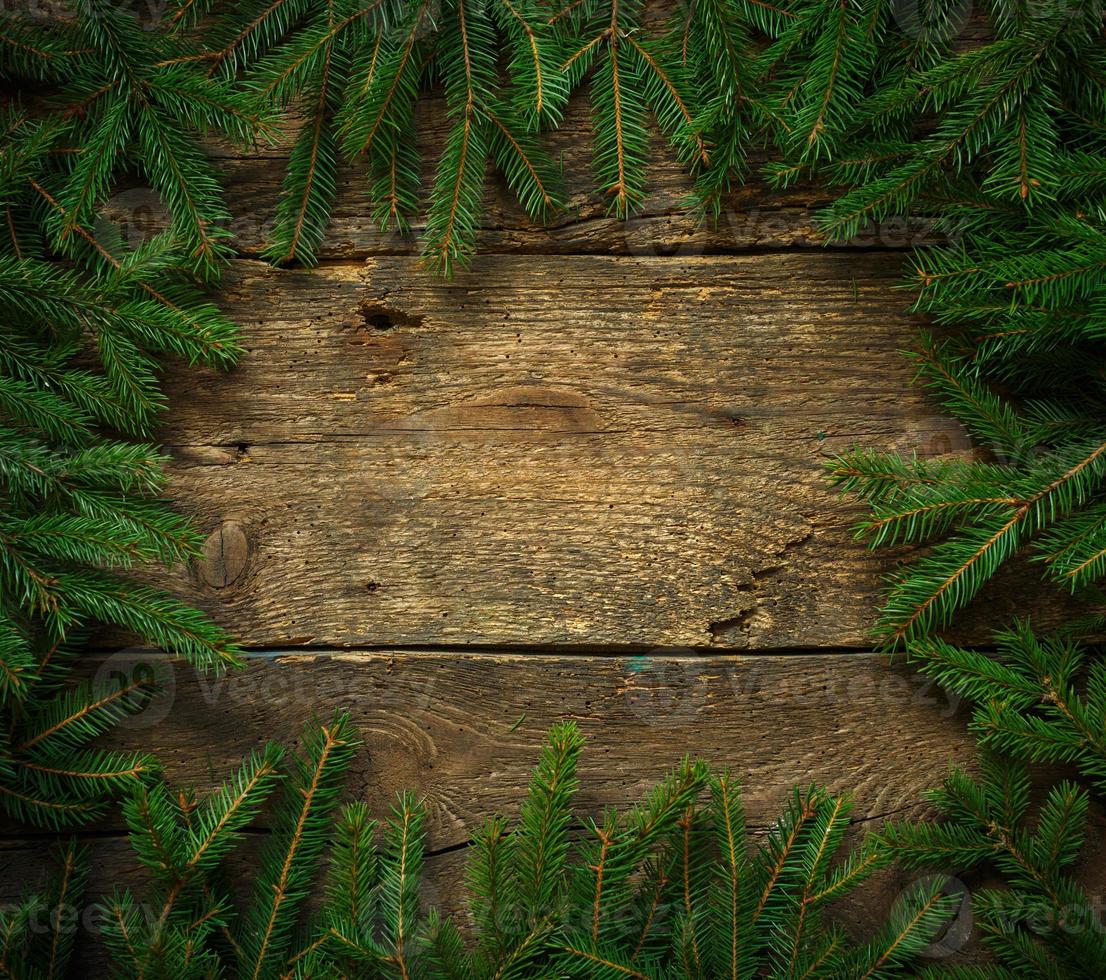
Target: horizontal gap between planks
{"points": [[546, 651], [359, 258], [567, 651]]}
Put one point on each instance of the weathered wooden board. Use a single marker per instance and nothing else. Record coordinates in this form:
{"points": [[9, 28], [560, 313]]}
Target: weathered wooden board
{"points": [[550, 450], [606, 445], [464, 730], [753, 215]]}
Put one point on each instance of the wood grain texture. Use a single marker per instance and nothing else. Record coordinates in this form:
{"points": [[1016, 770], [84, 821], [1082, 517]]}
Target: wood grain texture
{"points": [[551, 450], [463, 730], [753, 215], [607, 440]]}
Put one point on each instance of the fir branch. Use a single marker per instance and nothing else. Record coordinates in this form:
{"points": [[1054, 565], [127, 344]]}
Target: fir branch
{"points": [[1027, 704], [371, 922], [983, 829], [288, 864]]}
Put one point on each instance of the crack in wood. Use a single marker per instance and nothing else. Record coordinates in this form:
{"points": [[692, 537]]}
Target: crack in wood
{"points": [[742, 622]]}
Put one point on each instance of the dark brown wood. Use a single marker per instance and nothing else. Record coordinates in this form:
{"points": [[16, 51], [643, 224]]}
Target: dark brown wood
{"points": [[552, 450], [753, 215], [225, 555], [562, 485], [463, 730]]}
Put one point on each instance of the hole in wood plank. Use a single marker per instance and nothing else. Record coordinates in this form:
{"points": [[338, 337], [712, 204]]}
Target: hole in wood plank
{"points": [[735, 420], [378, 316]]}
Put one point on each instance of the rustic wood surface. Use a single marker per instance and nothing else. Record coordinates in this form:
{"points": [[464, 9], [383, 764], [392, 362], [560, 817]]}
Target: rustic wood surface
{"points": [[550, 450], [573, 482], [463, 729], [753, 215]]}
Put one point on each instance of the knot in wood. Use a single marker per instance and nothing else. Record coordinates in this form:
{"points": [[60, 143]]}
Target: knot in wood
{"points": [[225, 555]]}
